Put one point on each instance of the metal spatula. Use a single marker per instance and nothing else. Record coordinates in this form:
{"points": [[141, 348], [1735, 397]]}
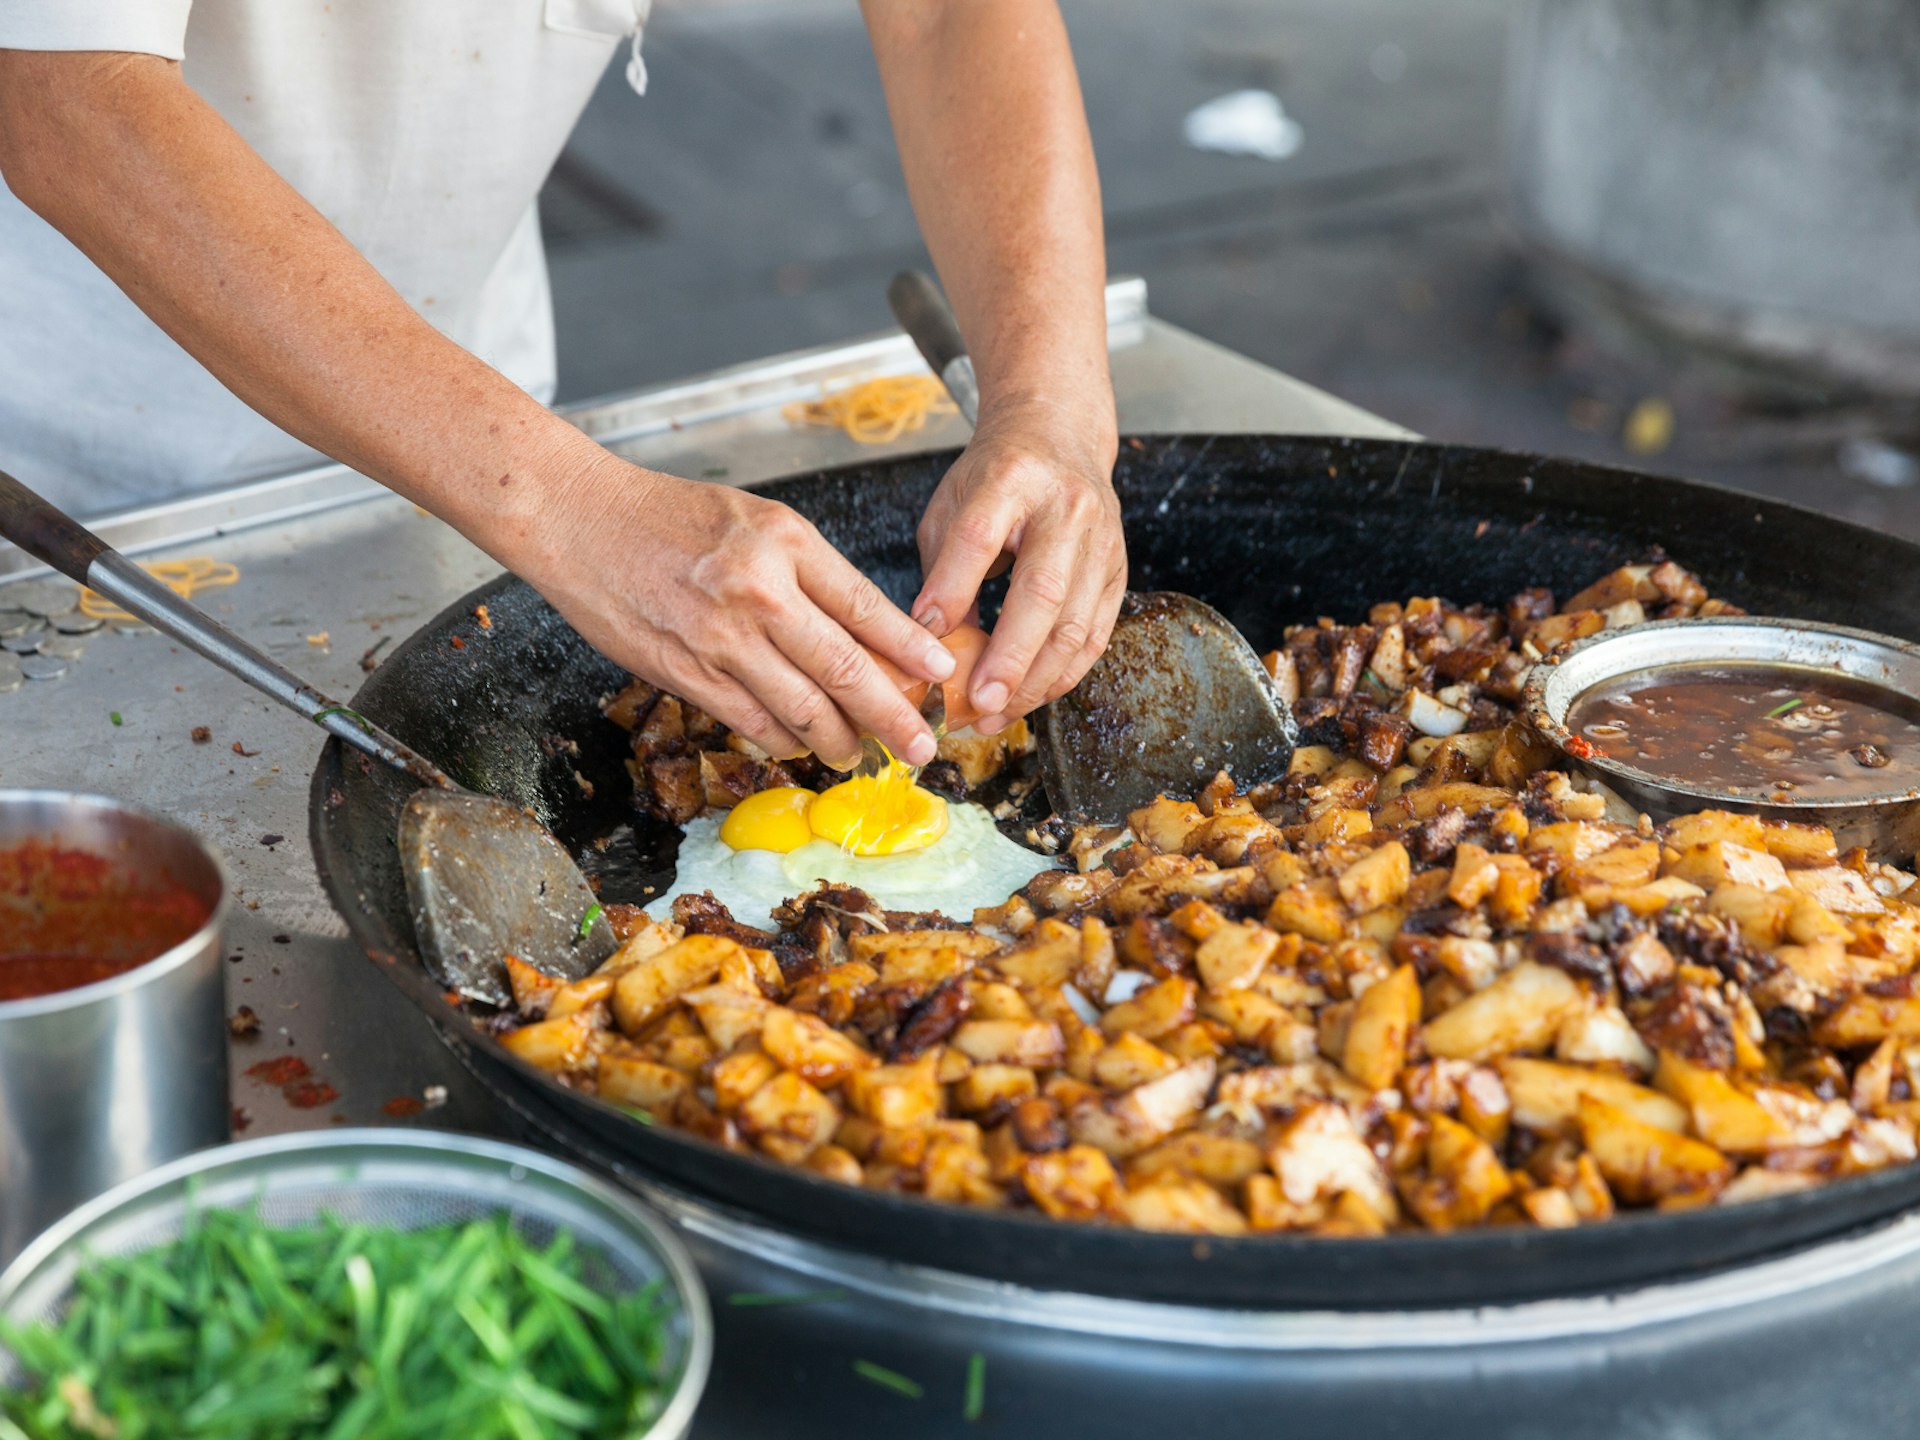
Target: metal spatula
{"points": [[1179, 694], [485, 880], [1178, 697]]}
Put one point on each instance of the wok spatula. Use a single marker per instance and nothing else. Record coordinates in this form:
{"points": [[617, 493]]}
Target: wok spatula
{"points": [[484, 879], [1178, 697], [1179, 694]]}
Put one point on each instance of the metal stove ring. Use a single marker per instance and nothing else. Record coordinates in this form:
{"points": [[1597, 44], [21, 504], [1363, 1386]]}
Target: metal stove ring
{"points": [[1743, 1288]]}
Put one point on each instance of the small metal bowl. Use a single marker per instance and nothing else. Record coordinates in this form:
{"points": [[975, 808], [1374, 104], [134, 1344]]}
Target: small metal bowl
{"points": [[385, 1177], [104, 1081], [1886, 825]]}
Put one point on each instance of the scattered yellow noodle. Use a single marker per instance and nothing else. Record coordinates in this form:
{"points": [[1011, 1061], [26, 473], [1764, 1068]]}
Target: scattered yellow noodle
{"points": [[876, 412], [183, 577]]}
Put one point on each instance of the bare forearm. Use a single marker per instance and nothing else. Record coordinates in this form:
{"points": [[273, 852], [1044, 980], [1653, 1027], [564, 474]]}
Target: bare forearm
{"points": [[994, 142], [121, 156], [993, 139]]}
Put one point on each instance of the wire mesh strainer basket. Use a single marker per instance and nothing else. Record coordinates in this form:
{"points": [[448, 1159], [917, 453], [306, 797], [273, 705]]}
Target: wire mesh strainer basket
{"points": [[405, 1180]]}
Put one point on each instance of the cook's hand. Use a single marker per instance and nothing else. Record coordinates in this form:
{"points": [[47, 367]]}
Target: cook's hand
{"points": [[1038, 496], [738, 604]]}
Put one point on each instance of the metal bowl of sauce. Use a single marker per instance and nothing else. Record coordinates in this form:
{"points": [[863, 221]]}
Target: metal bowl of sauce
{"points": [[113, 1055], [1780, 718]]}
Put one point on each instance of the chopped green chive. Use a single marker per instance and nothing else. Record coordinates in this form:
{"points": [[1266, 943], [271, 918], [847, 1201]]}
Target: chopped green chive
{"points": [[114, 716], [751, 1299], [890, 1379], [1793, 704], [238, 1330], [645, 1117], [345, 710], [976, 1388], [594, 912]]}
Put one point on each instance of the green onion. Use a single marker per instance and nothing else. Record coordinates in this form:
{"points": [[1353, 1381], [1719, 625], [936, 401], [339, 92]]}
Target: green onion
{"points": [[114, 716], [645, 1117], [366, 1302], [594, 912], [891, 1379], [748, 1299], [240, 1331], [346, 710], [1793, 704], [976, 1388]]}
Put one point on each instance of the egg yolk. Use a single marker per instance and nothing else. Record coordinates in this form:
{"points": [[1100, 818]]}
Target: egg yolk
{"points": [[771, 820], [884, 814]]}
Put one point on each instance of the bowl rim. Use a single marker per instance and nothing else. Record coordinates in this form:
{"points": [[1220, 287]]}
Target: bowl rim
{"points": [[1533, 707], [675, 1417], [147, 971]]}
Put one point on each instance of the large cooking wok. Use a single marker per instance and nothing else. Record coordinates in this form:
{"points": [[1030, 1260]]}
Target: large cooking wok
{"points": [[1268, 530]]}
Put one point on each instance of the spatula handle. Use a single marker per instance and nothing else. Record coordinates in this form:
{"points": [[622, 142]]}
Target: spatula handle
{"points": [[924, 314], [45, 531], [48, 533]]}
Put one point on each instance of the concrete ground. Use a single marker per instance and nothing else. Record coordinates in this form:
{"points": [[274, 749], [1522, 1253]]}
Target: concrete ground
{"points": [[751, 202]]}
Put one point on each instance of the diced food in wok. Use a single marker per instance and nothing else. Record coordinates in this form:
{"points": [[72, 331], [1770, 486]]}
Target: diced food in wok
{"points": [[1425, 982]]}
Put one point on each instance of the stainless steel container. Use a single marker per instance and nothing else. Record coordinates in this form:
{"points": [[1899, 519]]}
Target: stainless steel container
{"points": [[1887, 825], [384, 1177], [103, 1082]]}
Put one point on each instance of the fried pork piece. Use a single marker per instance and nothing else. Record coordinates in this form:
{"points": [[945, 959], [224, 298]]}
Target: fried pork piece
{"points": [[668, 738], [685, 762], [1424, 983]]}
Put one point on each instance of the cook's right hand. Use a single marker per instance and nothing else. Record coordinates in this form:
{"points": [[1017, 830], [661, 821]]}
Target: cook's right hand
{"points": [[736, 603]]}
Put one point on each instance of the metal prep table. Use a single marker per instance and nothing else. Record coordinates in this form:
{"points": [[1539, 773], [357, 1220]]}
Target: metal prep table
{"points": [[332, 565]]}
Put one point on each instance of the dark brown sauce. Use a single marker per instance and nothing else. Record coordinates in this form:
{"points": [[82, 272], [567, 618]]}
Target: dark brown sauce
{"points": [[70, 918], [1779, 733]]}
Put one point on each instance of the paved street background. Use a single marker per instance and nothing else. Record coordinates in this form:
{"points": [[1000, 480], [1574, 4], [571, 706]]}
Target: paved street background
{"points": [[751, 202]]}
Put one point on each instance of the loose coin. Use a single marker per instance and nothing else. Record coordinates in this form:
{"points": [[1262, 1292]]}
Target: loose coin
{"points": [[16, 622], [11, 678], [42, 667], [63, 647], [24, 644], [77, 623], [42, 597]]}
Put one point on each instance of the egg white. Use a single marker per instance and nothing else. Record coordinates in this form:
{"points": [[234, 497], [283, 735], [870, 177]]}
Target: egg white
{"points": [[971, 866]]}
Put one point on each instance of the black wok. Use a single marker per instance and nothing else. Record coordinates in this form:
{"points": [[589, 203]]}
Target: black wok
{"points": [[1269, 531]]}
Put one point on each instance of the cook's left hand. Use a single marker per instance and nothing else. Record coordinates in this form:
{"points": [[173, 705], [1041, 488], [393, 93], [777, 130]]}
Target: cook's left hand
{"points": [[1035, 492]]}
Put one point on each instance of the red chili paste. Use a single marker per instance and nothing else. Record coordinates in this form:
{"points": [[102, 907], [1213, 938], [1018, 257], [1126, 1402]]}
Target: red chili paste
{"points": [[70, 918]]}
